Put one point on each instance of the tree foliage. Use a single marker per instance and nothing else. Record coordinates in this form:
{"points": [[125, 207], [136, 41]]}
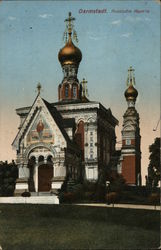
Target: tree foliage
{"points": [[8, 176], [154, 164]]}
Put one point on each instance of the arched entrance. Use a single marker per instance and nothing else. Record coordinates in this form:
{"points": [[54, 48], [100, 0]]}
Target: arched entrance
{"points": [[45, 174], [40, 162]]}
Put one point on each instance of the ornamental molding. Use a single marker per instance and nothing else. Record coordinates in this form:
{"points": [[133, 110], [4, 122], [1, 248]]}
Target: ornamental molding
{"points": [[38, 145]]}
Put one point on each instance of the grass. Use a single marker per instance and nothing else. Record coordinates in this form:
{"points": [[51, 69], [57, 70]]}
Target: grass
{"points": [[44, 227]]}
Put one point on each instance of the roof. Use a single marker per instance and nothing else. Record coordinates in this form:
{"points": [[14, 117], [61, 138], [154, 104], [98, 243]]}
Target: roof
{"points": [[70, 102], [57, 118], [108, 114], [62, 123], [69, 122]]}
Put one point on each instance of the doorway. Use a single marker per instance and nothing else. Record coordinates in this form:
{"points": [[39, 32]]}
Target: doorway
{"points": [[45, 174]]}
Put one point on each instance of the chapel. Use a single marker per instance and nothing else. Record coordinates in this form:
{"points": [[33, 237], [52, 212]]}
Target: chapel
{"points": [[74, 138]]}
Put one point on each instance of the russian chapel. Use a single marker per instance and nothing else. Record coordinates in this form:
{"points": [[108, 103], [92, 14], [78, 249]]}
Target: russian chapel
{"points": [[73, 138]]}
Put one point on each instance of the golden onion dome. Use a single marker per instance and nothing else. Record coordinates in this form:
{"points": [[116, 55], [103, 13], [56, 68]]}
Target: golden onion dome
{"points": [[69, 54], [131, 93]]}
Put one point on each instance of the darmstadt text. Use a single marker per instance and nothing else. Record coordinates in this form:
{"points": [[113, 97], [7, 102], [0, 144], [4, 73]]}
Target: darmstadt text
{"points": [[92, 11]]}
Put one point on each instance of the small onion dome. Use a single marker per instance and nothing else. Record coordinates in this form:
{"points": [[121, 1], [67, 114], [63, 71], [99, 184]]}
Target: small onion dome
{"points": [[70, 54], [131, 93]]}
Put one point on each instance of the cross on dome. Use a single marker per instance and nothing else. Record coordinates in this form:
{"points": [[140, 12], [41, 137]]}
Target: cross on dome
{"points": [[131, 93], [70, 28], [131, 77]]}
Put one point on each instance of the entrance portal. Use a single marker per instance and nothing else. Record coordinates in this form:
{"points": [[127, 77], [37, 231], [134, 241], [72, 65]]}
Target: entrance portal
{"points": [[45, 174]]}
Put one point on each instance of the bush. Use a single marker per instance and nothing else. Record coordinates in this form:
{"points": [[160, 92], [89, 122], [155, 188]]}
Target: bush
{"points": [[26, 194], [89, 186], [100, 193], [154, 199], [112, 197], [8, 176], [68, 197], [88, 196], [117, 183]]}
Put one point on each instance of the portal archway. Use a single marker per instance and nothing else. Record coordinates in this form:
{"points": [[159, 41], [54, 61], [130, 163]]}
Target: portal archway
{"points": [[45, 175], [41, 169]]}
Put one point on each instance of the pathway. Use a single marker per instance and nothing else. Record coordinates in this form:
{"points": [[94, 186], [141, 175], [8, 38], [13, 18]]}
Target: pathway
{"points": [[133, 206]]}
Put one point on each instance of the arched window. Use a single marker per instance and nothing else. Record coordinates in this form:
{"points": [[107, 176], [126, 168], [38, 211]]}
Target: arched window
{"points": [[74, 91], [41, 158], [32, 160], [49, 158], [66, 90], [79, 136]]}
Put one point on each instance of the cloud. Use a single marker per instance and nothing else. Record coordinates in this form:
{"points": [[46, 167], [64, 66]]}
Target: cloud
{"points": [[96, 38], [116, 22], [12, 18], [45, 15], [134, 19], [127, 35], [147, 19]]}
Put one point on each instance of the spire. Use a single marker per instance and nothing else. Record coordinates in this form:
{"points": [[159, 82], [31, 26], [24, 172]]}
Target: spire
{"points": [[39, 87], [131, 77], [84, 88], [70, 57], [70, 54], [131, 93], [70, 29]]}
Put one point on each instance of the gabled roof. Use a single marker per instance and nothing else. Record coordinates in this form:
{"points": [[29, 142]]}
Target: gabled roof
{"points": [[53, 112], [62, 123], [57, 118], [24, 120]]}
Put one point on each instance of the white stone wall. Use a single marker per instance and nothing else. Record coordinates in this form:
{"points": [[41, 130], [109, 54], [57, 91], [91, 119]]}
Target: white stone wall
{"points": [[83, 112], [87, 112]]}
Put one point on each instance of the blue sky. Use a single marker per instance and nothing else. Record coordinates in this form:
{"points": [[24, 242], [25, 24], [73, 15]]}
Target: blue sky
{"points": [[31, 36]]}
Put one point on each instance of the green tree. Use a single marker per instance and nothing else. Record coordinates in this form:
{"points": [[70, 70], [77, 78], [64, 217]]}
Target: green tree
{"points": [[8, 176], [154, 164]]}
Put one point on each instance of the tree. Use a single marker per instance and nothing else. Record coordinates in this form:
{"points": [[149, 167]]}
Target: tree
{"points": [[8, 176], [154, 164]]}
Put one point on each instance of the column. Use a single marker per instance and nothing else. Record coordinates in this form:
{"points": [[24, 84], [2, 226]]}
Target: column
{"points": [[36, 175], [22, 181], [23, 171]]}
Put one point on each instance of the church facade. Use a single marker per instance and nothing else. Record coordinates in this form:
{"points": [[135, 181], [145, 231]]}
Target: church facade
{"points": [[73, 138]]}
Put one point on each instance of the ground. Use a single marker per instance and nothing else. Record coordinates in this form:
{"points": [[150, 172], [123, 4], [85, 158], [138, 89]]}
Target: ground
{"points": [[44, 227]]}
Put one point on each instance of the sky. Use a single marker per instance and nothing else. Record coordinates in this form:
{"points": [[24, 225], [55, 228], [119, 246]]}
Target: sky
{"points": [[127, 34]]}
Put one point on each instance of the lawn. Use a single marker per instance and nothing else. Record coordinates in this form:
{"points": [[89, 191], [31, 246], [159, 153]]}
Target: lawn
{"points": [[43, 227]]}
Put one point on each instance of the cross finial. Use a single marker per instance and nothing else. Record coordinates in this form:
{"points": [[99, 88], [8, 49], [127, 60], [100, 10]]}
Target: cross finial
{"points": [[84, 88], [39, 87], [70, 28], [69, 22], [131, 77]]}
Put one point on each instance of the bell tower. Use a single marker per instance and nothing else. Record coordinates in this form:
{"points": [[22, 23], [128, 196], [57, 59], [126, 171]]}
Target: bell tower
{"points": [[70, 56], [130, 152]]}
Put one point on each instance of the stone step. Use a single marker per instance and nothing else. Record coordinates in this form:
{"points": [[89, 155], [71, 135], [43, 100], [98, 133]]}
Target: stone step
{"points": [[40, 193], [53, 199]]}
